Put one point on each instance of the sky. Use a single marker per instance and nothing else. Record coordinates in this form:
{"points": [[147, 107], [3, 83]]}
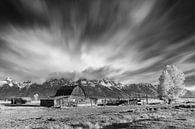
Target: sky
{"points": [[129, 41]]}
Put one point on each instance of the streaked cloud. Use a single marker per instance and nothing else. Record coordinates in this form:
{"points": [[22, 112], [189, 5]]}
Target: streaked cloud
{"points": [[126, 40]]}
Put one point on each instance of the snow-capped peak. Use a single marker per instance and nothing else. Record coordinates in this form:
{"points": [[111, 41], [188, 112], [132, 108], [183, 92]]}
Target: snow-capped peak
{"points": [[105, 83], [10, 82], [24, 84]]}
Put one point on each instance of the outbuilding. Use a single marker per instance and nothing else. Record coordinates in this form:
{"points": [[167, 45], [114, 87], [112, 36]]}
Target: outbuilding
{"points": [[20, 100]]}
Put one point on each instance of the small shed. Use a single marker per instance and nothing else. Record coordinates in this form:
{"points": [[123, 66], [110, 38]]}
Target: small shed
{"points": [[47, 102], [20, 100]]}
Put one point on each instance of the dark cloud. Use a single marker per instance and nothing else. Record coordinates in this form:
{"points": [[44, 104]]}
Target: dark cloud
{"points": [[89, 73], [191, 59], [99, 73], [59, 75]]}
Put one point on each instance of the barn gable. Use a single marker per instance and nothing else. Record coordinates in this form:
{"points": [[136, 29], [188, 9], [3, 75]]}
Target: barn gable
{"points": [[78, 91]]}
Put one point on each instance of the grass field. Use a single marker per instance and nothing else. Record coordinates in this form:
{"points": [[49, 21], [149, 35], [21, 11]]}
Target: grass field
{"points": [[119, 117]]}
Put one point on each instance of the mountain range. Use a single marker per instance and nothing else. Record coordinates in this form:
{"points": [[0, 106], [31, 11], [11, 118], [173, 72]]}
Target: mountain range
{"points": [[10, 88]]}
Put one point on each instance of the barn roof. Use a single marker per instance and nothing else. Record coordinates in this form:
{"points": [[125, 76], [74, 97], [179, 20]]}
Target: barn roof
{"points": [[65, 90]]}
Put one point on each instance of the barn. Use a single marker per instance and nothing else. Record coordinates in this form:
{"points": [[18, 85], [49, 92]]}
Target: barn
{"points": [[68, 96], [83, 95], [63, 97]]}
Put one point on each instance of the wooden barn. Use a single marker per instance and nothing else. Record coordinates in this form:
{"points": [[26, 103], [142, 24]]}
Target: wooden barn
{"points": [[67, 96], [83, 96]]}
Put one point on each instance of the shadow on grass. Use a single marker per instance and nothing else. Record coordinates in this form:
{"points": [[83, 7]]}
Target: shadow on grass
{"points": [[139, 125], [21, 105]]}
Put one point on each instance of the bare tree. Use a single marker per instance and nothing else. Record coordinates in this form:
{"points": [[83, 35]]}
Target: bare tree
{"points": [[36, 97], [171, 84]]}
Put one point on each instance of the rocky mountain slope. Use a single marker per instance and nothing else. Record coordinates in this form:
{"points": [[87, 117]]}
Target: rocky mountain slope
{"points": [[141, 89]]}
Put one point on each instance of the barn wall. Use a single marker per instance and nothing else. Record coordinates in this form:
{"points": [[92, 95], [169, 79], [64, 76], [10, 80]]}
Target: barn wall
{"points": [[74, 101], [87, 102], [61, 102]]}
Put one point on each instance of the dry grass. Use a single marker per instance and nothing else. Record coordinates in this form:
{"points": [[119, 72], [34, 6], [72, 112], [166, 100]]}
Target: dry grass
{"points": [[96, 117]]}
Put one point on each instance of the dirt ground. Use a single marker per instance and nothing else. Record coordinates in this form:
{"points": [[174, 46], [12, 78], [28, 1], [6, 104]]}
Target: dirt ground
{"points": [[121, 117]]}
